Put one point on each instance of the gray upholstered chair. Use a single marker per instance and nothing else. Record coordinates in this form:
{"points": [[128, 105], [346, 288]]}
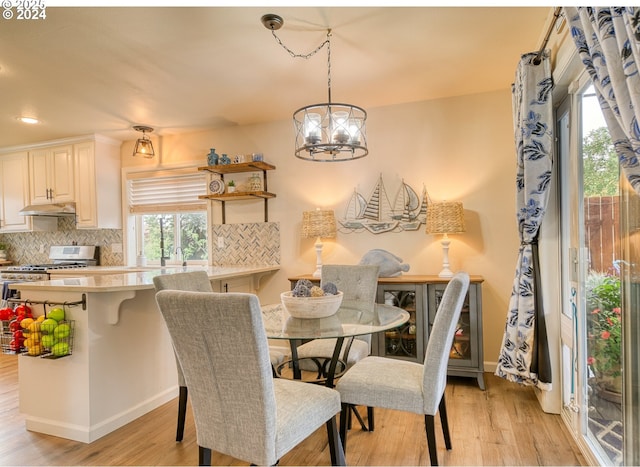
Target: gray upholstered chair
{"points": [[359, 284], [239, 409], [409, 386], [192, 281]]}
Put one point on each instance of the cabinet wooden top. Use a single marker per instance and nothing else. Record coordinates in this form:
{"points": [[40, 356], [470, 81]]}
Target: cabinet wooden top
{"points": [[403, 279], [238, 168]]}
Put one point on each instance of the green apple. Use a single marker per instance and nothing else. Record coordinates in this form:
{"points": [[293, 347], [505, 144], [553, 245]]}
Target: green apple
{"points": [[48, 341], [48, 325], [56, 313], [60, 349], [62, 331]]}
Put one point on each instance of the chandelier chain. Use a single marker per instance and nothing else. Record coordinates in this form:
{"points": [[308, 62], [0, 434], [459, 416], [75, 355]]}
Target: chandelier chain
{"points": [[327, 42]]}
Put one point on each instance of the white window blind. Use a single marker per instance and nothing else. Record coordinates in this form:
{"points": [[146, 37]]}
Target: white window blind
{"points": [[166, 191]]}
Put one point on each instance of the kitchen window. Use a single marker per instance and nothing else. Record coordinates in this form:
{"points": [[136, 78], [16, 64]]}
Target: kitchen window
{"points": [[169, 220]]}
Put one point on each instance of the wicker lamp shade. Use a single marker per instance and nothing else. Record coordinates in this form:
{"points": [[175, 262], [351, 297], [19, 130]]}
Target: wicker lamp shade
{"points": [[446, 217], [318, 224]]}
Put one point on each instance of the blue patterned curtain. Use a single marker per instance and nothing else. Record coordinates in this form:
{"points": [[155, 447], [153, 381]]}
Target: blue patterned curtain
{"points": [[524, 356], [608, 41]]}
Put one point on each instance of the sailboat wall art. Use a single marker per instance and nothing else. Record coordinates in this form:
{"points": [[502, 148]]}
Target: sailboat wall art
{"points": [[377, 214]]}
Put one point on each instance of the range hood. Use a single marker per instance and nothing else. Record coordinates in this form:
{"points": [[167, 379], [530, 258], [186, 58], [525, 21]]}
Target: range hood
{"points": [[49, 210]]}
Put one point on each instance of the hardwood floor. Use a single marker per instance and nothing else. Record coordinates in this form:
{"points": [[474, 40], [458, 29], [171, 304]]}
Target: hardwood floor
{"points": [[500, 426]]}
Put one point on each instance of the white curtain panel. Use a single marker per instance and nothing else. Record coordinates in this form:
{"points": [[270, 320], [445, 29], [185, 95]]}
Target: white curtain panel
{"points": [[524, 356], [608, 44]]}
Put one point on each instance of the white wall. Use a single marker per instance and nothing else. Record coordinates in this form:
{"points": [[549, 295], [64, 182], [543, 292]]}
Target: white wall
{"points": [[461, 148]]}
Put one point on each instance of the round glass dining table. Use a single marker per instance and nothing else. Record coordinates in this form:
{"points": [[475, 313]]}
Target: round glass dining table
{"points": [[352, 319]]}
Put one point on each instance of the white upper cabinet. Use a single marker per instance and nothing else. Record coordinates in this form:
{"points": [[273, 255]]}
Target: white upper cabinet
{"points": [[97, 184], [51, 178], [14, 192]]}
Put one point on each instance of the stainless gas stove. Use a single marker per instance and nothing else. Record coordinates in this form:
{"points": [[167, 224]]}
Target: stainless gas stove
{"points": [[62, 257]]}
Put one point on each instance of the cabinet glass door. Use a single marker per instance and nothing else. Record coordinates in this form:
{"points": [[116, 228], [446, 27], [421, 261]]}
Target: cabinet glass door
{"points": [[463, 350], [406, 341]]}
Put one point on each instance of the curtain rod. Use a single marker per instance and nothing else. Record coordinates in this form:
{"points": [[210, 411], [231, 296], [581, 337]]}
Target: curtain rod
{"points": [[556, 14]]}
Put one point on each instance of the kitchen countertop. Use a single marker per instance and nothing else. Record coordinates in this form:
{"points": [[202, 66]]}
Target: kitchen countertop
{"points": [[121, 278]]}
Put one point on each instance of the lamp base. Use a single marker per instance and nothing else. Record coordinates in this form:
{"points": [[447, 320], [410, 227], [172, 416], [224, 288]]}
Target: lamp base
{"points": [[318, 272], [446, 272]]}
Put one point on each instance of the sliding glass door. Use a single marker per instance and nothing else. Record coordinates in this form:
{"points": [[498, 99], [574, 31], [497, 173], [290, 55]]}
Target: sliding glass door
{"points": [[595, 271]]}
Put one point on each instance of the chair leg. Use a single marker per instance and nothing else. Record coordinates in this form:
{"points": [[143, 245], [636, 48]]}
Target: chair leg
{"points": [[445, 423], [363, 425], [431, 438], [182, 412], [345, 417], [370, 417], [204, 456], [335, 444]]}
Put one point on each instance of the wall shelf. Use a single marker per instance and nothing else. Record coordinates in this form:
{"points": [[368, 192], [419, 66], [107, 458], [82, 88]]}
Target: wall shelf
{"points": [[243, 167]]}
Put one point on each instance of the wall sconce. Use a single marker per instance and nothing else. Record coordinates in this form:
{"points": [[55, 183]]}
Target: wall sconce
{"points": [[143, 145], [445, 218], [318, 224]]}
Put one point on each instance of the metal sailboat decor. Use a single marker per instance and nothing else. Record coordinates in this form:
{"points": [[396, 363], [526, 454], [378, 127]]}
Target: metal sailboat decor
{"points": [[377, 215]]}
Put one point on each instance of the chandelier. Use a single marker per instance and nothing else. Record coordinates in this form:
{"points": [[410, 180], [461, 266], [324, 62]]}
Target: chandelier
{"points": [[326, 132]]}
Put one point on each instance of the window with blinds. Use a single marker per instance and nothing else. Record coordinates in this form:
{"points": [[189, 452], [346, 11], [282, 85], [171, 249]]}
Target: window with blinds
{"points": [[170, 220], [166, 191]]}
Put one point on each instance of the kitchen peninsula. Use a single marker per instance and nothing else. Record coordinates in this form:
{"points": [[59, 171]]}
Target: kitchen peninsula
{"points": [[122, 364]]}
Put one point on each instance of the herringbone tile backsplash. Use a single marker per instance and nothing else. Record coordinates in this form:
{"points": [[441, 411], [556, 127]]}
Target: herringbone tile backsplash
{"points": [[247, 244], [244, 244], [33, 247]]}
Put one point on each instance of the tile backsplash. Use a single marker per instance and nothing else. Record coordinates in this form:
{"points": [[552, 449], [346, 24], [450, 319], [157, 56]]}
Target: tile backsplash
{"points": [[33, 247], [247, 244], [244, 244]]}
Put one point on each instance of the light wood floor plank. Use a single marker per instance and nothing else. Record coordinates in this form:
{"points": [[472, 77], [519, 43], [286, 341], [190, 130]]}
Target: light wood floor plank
{"points": [[500, 426]]}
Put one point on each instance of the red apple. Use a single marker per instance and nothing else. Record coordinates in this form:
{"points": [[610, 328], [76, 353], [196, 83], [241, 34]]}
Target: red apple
{"points": [[14, 325], [18, 334], [15, 345], [6, 314], [24, 310]]}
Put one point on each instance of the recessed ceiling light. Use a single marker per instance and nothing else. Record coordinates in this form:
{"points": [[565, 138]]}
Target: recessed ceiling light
{"points": [[29, 120]]}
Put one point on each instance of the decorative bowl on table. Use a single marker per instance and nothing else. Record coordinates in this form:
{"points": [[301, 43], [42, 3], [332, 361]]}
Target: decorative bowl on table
{"points": [[311, 307]]}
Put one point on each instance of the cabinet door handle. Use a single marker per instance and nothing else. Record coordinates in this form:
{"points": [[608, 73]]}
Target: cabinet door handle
{"points": [[226, 287]]}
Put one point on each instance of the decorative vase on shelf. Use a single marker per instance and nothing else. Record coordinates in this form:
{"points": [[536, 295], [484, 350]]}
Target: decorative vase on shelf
{"points": [[224, 160], [212, 157], [255, 183]]}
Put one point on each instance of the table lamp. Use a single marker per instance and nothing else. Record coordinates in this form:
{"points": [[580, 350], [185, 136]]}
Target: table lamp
{"points": [[318, 224], [445, 217]]}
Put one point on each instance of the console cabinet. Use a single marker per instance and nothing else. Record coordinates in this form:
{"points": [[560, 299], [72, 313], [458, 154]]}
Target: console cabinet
{"points": [[420, 295]]}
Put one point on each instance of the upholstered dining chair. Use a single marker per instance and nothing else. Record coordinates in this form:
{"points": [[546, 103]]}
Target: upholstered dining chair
{"points": [[192, 281], [246, 414], [409, 386], [359, 284]]}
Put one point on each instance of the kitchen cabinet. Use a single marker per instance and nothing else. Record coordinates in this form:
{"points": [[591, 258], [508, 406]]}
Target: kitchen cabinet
{"points": [[51, 175], [420, 295], [97, 185], [244, 167], [242, 284], [14, 192]]}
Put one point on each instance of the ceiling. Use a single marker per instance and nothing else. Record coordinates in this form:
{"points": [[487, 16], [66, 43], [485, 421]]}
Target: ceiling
{"points": [[177, 69]]}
